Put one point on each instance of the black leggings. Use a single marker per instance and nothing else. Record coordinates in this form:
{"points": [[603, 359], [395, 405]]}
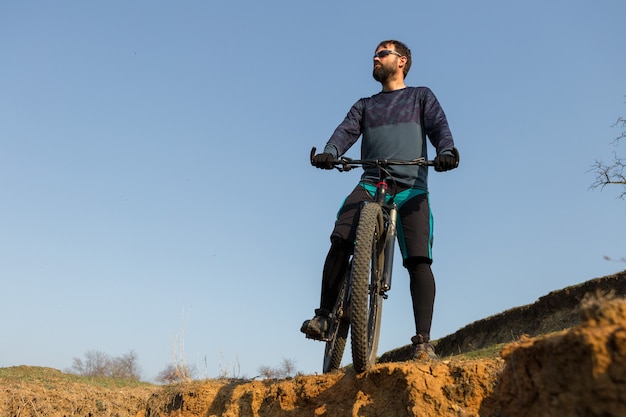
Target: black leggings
{"points": [[422, 293], [335, 268]]}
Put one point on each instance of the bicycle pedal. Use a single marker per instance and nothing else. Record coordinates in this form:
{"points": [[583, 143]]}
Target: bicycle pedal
{"points": [[322, 339]]}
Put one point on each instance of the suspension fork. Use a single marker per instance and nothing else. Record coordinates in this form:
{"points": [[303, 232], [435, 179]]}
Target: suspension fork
{"points": [[390, 236]]}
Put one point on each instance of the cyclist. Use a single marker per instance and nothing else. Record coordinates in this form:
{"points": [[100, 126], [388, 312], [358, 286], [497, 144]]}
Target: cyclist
{"points": [[394, 124]]}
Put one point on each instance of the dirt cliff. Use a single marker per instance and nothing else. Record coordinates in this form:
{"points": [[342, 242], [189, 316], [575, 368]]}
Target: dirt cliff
{"points": [[564, 355], [579, 371]]}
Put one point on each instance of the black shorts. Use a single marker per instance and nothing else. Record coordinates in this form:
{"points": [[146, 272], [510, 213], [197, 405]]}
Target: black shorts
{"points": [[415, 220]]}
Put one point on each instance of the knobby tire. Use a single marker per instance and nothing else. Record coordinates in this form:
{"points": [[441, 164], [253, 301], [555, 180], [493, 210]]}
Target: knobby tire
{"points": [[366, 297], [339, 328]]}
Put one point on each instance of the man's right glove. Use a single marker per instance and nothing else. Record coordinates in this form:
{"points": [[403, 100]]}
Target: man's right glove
{"points": [[323, 161]]}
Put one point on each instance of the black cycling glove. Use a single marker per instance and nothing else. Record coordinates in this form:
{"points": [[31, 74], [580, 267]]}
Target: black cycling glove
{"points": [[447, 160], [323, 161]]}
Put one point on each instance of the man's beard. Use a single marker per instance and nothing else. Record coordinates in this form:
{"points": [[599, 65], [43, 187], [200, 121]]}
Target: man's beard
{"points": [[381, 73]]}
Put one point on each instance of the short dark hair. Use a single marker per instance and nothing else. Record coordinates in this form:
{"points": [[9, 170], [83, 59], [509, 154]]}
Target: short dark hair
{"points": [[401, 49]]}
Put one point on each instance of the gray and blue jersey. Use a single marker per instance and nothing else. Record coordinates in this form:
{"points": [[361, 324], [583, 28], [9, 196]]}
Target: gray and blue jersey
{"points": [[395, 125]]}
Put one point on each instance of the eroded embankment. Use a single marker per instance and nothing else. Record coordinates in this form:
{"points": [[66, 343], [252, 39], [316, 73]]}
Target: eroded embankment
{"points": [[426, 389], [576, 372]]}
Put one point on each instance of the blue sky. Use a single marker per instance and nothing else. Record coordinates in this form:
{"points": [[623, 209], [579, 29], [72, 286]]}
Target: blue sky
{"points": [[156, 187]]}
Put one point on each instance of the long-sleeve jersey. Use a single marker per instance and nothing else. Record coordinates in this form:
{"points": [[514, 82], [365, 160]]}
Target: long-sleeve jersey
{"points": [[395, 125]]}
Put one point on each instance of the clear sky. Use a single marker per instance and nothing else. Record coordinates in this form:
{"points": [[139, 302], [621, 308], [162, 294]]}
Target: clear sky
{"points": [[156, 189]]}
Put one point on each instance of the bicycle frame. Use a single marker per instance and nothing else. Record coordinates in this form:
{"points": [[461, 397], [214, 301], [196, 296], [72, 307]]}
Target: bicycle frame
{"points": [[390, 210]]}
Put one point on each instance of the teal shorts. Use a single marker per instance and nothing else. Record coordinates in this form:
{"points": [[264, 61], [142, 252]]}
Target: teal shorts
{"points": [[415, 220]]}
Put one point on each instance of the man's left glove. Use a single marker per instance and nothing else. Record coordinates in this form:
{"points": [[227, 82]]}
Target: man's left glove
{"points": [[323, 161], [447, 160]]}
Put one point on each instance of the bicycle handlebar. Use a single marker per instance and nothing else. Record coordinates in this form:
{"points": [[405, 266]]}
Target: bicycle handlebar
{"points": [[344, 164]]}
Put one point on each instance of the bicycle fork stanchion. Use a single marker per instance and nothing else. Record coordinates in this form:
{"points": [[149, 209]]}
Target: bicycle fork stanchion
{"points": [[390, 236], [390, 241]]}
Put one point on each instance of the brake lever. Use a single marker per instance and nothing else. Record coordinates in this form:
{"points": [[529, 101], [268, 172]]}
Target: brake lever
{"points": [[343, 164]]}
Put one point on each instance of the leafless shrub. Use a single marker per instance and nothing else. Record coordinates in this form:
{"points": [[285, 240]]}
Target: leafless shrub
{"points": [[180, 369], [286, 369], [172, 374], [99, 364], [125, 366]]}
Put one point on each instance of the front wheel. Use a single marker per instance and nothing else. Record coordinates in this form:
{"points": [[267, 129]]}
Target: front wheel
{"points": [[338, 329], [366, 297]]}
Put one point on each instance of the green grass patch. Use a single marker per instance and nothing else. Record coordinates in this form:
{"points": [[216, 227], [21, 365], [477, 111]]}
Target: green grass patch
{"points": [[489, 352], [50, 378]]}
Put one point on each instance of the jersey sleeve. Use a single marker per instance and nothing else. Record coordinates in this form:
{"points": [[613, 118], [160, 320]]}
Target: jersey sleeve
{"points": [[436, 124], [347, 133]]}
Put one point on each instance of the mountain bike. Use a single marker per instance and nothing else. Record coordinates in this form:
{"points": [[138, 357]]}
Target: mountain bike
{"points": [[358, 309]]}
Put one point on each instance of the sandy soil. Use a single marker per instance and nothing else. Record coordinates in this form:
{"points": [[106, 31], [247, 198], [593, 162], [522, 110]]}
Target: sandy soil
{"points": [[567, 358]]}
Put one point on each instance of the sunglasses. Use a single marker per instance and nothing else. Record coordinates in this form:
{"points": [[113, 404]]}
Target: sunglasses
{"points": [[386, 52]]}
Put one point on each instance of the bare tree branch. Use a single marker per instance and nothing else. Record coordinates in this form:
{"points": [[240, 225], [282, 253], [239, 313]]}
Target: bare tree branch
{"points": [[621, 124], [612, 173]]}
